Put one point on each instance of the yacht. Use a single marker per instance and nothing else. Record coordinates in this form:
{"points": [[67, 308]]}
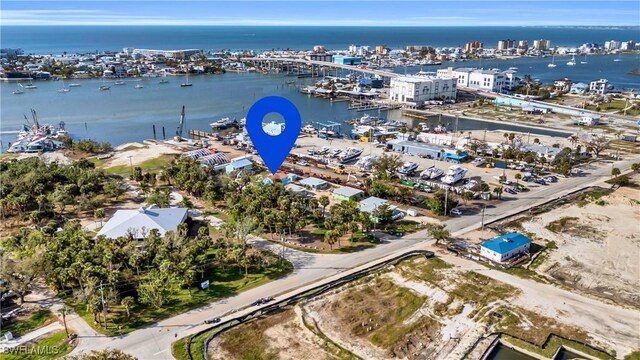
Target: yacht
{"points": [[572, 61], [365, 163], [454, 174], [104, 87], [164, 81], [435, 173], [326, 132], [349, 154], [224, 123], [30, 86], [120, 82], [335, 152], [309, 129], [553, 62], [74, 85], [139, 86], [18, 92], [408, 168]]}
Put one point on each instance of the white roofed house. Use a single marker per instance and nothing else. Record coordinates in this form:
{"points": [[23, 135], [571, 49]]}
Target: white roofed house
{"points": [[138, 223]]}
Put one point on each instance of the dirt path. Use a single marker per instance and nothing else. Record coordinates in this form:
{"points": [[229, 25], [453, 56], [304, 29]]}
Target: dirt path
{"points": [[610, 325]]}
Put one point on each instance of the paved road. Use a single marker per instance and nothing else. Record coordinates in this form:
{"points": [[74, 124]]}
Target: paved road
{"points": [[154, 341]]}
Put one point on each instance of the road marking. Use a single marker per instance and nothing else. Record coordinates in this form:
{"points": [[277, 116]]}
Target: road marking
{"points": [[160, 352]]}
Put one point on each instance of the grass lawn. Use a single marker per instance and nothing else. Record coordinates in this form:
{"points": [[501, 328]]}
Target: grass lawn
{"points": [[402, 227], [615, 105], [52, 346], [224, 282], [34, 321], [150, 165]]}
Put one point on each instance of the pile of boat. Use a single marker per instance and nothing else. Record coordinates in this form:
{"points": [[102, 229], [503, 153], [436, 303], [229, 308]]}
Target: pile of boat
{"points": [[342, 156], [36, 137], [226, 123]]}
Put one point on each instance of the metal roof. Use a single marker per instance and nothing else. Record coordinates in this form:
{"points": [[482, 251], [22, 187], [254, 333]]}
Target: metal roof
{"points": [[124, 222], [312, 181], [347, 191], [505, 243]]}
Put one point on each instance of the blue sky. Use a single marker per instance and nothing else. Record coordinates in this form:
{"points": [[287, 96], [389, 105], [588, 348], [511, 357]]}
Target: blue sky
{"points": [[324, 12]]}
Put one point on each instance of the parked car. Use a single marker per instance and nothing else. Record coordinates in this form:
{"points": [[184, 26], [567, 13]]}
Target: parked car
{"points": [[302, 163], [478, 162], [522, 187], [456, 212], [510, 191], [212, 321], [540, 181]]}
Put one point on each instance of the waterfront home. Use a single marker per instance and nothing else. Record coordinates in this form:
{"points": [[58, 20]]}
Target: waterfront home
{"points": [[494, 80], [138, 223], [314, 183], [599, 86], [281, 177], [579, 88], [505, 247], [346, 193], [542, 151], [562, 85]]}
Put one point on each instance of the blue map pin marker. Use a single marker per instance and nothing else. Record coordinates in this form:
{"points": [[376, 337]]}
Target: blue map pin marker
{"points": [[273, 149]]}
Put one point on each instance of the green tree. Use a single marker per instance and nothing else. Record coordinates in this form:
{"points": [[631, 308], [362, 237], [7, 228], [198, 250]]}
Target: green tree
{"points": [[467, 196], [437, 203], [20, 273], [99, 214], [498, 191], [324, 201], [615, 172], [106, 354], [128, 302], [385, 166], [518, 177], [635, 167], [438, 232], [159, 197]]}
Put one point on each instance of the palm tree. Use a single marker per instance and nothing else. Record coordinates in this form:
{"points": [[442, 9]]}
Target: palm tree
{"points": [[128, 302], [63, 312], [324, 201], [498, 191], [99, 214], [536, 141], [615, 172], [518, 177]]}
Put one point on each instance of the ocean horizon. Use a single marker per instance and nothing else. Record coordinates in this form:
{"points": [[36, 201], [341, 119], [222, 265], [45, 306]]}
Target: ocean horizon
{"points": [[91, 38]]}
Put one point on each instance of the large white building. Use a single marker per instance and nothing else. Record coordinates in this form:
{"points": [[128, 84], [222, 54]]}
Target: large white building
{"points": [[505, 247], [493, 80], [415, 90], [599, 86]]}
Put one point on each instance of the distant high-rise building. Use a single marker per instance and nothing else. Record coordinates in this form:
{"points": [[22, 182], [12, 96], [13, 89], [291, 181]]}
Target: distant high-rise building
{"points": [[627, 45], [611, 45], [506, 44], [382, 49], [541, 44], [473, 46], [523, 46]]}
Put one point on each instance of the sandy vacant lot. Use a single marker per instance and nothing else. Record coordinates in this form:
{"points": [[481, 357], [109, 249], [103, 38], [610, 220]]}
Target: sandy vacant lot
{"points": [[139, 153], [598, 245]]}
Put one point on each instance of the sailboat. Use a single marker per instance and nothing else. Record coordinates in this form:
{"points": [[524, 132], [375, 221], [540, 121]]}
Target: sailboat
{"points": [[164, 81], [617, 59], [572, 61], [187, 83], [30, 86], [18, 91], [64, 88], [553, 62], [74, 85], [585, 60]]}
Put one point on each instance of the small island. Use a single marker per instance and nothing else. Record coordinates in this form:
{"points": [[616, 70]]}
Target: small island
{"points": [[635, 71]]}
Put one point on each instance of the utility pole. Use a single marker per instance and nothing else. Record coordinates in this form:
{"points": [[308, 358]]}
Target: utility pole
{"points": [[131, 163], [482, 226], [104, 303], [446, 199]]}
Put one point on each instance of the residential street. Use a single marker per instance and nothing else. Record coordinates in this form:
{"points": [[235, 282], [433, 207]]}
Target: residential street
{"points": [[154, 342]]}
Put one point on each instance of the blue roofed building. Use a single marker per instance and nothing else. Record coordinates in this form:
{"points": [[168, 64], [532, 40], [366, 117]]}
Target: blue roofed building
{"points": [[505, 247]]}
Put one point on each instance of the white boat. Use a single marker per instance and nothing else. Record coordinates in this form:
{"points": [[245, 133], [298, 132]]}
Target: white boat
{"points": [[164, 81], [326, 132], [335, 152], [104, 87], [454, 174], [365, 163], [30, 86], [18, 92], [139, 86], [308, 90], [224, 123], [408, 168], [553, 62], [64, 88], [572, 62], [426, 173], [617, 59], [74, 85], [349, 154], [309, 129], [120, 82], [585, 60], [435, 173]]}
